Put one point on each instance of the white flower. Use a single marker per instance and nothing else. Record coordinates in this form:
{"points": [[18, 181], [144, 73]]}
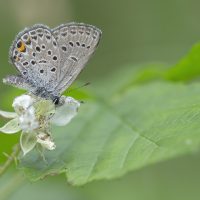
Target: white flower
{"points": [[24, 107], [27, 124], [33, 116], [22, 103], [28, 121]]}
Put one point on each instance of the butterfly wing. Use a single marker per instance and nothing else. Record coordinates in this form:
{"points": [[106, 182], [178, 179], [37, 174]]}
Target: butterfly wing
{"points": [[35, 53], [77, 42]]}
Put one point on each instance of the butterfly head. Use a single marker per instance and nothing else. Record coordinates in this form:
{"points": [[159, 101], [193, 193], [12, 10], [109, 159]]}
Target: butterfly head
{"points": [[56, 100]]}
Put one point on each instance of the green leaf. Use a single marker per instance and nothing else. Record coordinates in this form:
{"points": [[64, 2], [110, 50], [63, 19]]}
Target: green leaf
{"points": [[187, 68], [8, 114], [11, 127], [129, 76], [126, 131], [27, 141]]}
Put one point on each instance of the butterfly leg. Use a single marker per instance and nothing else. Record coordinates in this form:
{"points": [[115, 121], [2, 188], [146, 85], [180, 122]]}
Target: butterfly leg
{"points": [[17, 81]]}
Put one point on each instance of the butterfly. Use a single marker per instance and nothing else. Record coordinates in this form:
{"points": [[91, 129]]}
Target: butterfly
{"points": [[49, 60]]}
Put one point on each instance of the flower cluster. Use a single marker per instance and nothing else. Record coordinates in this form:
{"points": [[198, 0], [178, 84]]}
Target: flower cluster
{"points": [[33, 116]]}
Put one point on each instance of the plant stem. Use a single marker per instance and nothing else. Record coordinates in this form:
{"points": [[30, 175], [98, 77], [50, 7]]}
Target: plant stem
{"points": [[16, 179], [10, 187], [11, 158]]}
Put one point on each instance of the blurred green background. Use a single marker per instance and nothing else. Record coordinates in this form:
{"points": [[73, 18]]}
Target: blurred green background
{"points": [[133, 32]]}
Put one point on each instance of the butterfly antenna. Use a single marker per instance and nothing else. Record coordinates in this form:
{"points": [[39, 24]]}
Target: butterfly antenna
{"points": [[86, 84]]}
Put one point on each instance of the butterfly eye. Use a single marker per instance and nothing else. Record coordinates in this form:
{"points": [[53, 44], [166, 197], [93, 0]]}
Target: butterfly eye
{"points": [[56, 100]]}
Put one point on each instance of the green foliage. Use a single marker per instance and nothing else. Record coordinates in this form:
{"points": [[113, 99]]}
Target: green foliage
{"points": [[188, 68], [135, 118], [112, 136]]}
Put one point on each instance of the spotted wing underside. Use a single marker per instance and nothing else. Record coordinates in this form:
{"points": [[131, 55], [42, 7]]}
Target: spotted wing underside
{"points": [[77, 42], [35, 53]]}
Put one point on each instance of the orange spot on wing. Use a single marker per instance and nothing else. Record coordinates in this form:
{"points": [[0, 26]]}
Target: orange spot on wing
{"points": [[21, 47]]}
